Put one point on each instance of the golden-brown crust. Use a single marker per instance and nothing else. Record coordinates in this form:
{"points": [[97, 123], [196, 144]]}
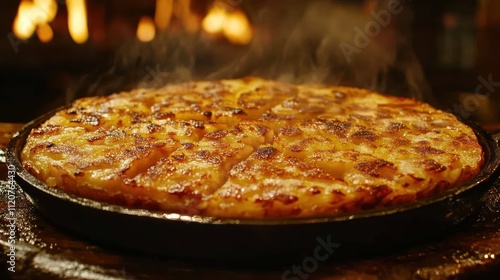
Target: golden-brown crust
{"points": [[252, 148]]}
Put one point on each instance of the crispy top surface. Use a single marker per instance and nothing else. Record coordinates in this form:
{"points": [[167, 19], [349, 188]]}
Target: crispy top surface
{"points": [[252, 148]]}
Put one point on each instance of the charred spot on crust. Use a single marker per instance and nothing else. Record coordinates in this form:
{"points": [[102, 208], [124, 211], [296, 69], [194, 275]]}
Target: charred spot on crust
{"points": [[163, 115], [395, 127], [373, 167], [380, 192], [314, 190], [187, 146], [208, 157], [296, 148], [283, 198], [236, 130], [152, 128], [365, 135], [238, 111], [265, 153], [262, 129], [179, 156], [238, 168], [290, 131], [137, 117], [269, 116], [216, 134], [337, 128], [159, 145], [91, 119], [49, 129], [115, 133], [420, 127], [203, 154], [465, 139], [207, 114], [427, 150], [286, 199], [199, 125], [95, 138], [400, 141], [432, 166], [417, 179]]}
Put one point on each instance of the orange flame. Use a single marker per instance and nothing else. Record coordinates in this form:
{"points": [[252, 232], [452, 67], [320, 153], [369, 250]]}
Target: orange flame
{"points": [[31, 14], [23, 24], [214, 21], [77, 20], [45, 10], [145, 29], [189, 20], [233, 25], [163, 13], [237, 28], [44, 33]]}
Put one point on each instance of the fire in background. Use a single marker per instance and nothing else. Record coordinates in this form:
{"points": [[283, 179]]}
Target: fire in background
{"points": [[223, 20], [292, 40]]}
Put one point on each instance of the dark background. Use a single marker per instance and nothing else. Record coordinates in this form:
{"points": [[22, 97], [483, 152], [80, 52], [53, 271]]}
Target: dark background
{"points": [[455, 41]]}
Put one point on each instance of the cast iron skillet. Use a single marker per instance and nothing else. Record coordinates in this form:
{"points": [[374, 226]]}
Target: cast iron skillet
{"points": [[206, 238]]}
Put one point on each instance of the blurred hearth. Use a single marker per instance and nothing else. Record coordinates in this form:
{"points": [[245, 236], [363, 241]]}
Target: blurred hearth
{"points": [[56, 51]]}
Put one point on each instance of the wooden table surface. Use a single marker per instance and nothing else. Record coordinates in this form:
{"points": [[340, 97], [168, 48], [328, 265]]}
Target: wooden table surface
{"points": [[44, 251]]}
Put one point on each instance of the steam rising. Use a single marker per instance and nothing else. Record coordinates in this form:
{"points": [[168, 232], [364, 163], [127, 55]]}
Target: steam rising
{"points": [[299, 44]]}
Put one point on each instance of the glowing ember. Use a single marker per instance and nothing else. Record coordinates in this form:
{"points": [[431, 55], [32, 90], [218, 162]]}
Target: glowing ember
{"points": [[163, 13], [145, 29], [234, 25], [77, 20], [44, 33]]}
